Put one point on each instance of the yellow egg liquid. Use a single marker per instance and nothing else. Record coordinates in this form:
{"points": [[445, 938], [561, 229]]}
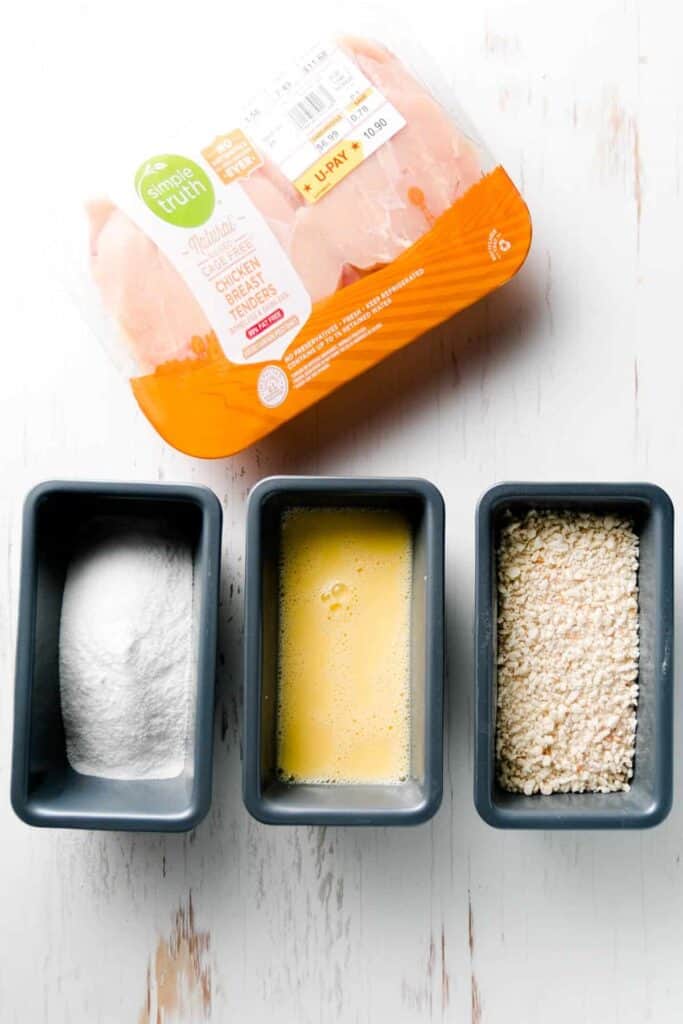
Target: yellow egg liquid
{"points": [[344, 646]]}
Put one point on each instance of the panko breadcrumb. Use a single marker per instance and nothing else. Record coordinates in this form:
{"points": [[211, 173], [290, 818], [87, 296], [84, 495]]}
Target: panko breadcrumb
{"points": [[567, 653]]}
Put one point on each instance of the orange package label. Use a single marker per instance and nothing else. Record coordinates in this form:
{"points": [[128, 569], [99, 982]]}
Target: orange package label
{"points": [[232, 156], [208, 407]]}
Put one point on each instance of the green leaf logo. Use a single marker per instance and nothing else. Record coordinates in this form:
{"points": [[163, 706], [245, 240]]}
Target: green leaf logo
{"points": [[176, 189]]}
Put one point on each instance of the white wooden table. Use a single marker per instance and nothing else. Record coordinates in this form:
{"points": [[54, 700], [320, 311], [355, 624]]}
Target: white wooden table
{"points": [[574, 370]]}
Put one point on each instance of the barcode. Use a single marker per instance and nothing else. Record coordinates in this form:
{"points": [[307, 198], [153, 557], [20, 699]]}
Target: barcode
{"points": [[310, 105]]}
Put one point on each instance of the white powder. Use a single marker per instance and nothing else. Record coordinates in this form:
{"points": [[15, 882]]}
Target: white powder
{"points": [[125, 655], [567, 653]]}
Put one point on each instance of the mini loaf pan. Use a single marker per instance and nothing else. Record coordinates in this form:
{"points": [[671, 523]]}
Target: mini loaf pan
{"points": [[45, 789], [649, 800], [279, 803]]}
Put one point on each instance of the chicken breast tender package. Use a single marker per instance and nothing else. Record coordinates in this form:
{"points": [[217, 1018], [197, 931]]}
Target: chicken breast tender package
{"points": [[337, 218]]}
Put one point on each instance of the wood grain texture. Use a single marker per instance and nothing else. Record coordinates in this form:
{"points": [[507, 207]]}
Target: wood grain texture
{"points": [[572, 371]]}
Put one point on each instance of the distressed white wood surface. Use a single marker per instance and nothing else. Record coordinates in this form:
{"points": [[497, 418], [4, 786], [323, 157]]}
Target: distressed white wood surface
{"points": [[573, 371]]}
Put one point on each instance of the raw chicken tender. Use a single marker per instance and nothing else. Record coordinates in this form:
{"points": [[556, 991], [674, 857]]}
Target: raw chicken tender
{"points": [[157, 314], [394, 196], [276, 198], [364, 222]]}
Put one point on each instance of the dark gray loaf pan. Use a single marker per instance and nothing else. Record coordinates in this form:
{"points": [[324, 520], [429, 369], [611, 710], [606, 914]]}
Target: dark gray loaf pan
{"points": [[266, 797], [649, 799], [46, 790]]}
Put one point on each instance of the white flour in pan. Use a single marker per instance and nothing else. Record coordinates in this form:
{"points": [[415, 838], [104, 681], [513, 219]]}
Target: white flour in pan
{"points": [[567, 653], [125, 655]]}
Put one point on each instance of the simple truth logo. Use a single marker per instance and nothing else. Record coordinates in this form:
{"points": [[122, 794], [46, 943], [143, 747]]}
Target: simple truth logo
{"points": [[176, 189]]}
